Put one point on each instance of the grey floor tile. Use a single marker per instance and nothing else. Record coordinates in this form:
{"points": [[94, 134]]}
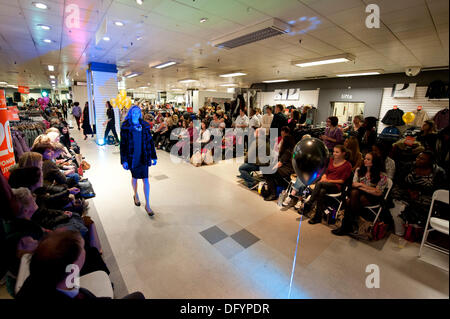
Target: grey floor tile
{"points": [[228, 247], [230, 227], [245, 238], [213, 235]]}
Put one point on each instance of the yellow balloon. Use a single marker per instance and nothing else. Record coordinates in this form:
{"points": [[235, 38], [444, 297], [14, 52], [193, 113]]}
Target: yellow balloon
{"points": [[128, 103], [113, 102], [123, 93], [408, 117]]}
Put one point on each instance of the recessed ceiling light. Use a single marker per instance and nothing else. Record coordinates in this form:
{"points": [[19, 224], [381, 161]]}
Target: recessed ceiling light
{"points": [[229, 75], [275, 81], [139, 2], [44, 27], [48, 41], [132, 75], [51, 68], [139, 38], [360, 73], [203, 20], [164, 65], [325, 60], [106, 38], [211, 90], [229, 84], [40, 5], [52, 76], [118, 23]]}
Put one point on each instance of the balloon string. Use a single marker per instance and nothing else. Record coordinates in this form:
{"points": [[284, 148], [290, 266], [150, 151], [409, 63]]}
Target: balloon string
{"points": [[295, 257]]}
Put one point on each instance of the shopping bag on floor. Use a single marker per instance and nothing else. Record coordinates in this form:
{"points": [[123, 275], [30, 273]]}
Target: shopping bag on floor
{"points": [[207, 157], [86, 189], [196, 159]]}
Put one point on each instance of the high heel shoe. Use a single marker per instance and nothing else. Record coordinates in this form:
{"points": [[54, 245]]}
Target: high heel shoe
{"points": [[150, 213], [138, 203]]}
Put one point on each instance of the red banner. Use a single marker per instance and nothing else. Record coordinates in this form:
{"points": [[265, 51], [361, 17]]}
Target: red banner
{"points": [[2, 99], [6, 146], [13, 113], [24, 89]]}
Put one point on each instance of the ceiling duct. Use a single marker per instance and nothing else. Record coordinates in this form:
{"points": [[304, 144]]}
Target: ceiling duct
{"points": [[254, 33]]}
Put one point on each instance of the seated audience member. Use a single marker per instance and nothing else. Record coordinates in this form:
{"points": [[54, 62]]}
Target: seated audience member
{"points": [[333, 134], [65, 165], [442, 149], [304, 115], [369, 183], [43, 138], [204, 136], [254, 153], [49, 278], [357, 129], [338, 172], [52, 174], [283, 168], [382, 150], [354, 156], [417, 188], [428, 136], [297, 189], [369, 137]]}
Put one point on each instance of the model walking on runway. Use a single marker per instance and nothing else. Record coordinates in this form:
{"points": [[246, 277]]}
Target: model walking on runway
{"points": [[137, 152]]}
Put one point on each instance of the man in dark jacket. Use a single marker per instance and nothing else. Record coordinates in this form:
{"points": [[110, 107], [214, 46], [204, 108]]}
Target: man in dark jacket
{"points": [[279, 120]]}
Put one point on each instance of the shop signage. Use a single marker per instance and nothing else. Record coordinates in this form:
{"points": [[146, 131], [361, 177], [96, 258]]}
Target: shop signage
{"points": [[24, 89], [346, 96], [13, 113], [6, 146]]}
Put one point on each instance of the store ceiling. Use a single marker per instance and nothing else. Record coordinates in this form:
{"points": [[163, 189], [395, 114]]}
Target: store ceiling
{"points": [[412, 33]]}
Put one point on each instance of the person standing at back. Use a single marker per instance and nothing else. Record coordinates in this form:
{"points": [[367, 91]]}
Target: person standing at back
{"points": [[111, 123], [76, 112], [267, 120], [279, 119]]}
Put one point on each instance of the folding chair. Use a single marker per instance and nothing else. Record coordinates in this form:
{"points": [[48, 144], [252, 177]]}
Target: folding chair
{"points": [[376, 209], [441, 225]]}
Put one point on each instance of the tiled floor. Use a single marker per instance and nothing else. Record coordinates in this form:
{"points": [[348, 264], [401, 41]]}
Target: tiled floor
{"points": [[210, 238]]}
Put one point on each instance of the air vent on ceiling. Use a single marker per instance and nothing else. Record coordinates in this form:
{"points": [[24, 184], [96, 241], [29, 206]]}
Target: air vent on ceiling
{"points": [[257, 32], [316, 77]]}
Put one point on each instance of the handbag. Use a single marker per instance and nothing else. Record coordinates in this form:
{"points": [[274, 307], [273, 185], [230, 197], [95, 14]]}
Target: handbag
{"points": [[85, 165], [86, 189], [379, 230]]}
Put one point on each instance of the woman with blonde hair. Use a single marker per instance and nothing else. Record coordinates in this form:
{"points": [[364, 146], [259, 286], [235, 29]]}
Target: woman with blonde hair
{"points": [[354, 156]]}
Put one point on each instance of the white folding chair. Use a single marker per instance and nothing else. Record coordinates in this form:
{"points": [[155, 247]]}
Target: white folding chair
{"points": [[376, 209], [441, 225]]}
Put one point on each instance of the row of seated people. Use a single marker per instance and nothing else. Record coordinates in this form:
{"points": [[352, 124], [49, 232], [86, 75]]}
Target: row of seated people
{"points": [[365, 173], [46, 216]]}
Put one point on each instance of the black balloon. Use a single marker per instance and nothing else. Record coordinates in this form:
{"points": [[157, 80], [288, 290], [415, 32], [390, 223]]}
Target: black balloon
{"points": [[310, 160]]}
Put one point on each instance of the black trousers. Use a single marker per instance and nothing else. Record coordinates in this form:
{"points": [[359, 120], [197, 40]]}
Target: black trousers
{"points": [[111, 127], [318, 197]]}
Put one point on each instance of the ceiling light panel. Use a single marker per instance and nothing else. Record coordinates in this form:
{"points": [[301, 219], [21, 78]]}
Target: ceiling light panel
{"points": [[164, 65], [360, 73], [229, 75], [275, 81], [325, 60]]}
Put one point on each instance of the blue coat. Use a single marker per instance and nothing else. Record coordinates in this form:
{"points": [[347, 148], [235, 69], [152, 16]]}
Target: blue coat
{"points": [[127, 146]]}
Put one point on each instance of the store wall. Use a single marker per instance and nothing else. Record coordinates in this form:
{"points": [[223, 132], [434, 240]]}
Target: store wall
{"points": [[371, 98], [307, 97], [410, 104], [79, 94]]}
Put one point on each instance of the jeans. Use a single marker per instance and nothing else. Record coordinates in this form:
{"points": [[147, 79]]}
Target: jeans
{"points": [[73, 179], [299, 186], [245, 170], [111, 127]]}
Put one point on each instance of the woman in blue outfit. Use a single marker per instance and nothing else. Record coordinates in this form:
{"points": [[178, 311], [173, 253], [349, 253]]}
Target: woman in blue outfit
{"points": [[137, 152]]}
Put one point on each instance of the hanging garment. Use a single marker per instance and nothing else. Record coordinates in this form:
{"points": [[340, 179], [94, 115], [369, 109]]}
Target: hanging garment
{"points": [[441, 119], [437, 90], [393, 117], [420, 116]]}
